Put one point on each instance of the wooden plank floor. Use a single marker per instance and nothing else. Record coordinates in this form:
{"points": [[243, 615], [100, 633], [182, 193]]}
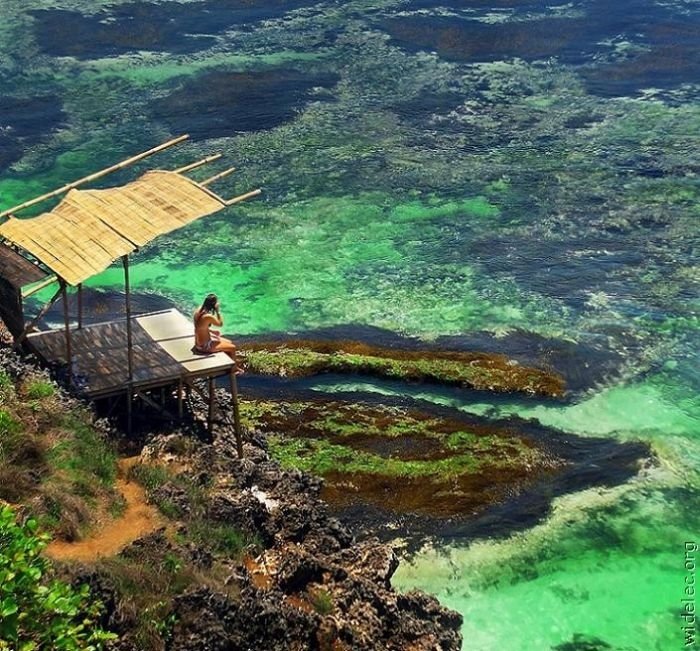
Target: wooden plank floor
{"points": [[162, 345]]}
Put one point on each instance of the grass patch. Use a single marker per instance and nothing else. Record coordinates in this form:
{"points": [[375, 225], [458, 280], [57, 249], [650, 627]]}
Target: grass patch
{"points": [[146, 586], [83, 455], [320, 457], [222, 538], [38, 389], [150, 477], [116, 506], [7, 387], [322, 602], [147, 580], [10, 430], [214, 536], [51, 457]]}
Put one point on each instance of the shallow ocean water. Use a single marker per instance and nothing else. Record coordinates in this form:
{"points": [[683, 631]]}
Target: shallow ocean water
{"points": [[432, 168]]}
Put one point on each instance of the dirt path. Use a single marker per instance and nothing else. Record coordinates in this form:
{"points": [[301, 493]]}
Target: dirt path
{"points": [[139, 518]]}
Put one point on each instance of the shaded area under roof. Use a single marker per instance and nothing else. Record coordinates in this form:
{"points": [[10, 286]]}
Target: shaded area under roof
{"points": [[90, 229], [18, 271], [162, 350]]}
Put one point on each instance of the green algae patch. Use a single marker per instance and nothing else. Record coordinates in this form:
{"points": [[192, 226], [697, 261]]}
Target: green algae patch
{"points": [[399, 459], [479, 371], [413, 211]]}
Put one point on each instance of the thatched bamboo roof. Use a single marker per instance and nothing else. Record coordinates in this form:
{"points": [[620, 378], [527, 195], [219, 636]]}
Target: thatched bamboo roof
{"points": [[90, 229]]}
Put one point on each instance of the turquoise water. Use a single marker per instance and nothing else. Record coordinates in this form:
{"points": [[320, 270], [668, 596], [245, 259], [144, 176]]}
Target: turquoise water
{"points": [[432, 168]]}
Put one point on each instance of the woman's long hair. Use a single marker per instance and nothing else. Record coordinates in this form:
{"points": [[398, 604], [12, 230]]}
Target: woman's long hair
{"points": [[209, 306]]}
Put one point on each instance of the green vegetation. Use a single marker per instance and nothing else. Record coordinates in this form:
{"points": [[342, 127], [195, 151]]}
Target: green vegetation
{"points": [[150, 477], [396, 457], [190, 508], [222, 538], [37, 612], [53, 456], [6, 386], [9, 434], [146, 583], [38, 389], [320, 457], [472, 370], [322, 601], [83, 455]]}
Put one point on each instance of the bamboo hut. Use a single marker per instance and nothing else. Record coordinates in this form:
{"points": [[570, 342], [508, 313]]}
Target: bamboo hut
{"points": [[139, 356]]}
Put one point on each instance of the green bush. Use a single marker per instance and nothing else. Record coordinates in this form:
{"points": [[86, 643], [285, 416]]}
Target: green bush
{"points": [[222, 538], [150, 477], [37, 389], [8, 425], [37, 614], [322, 602], [84, 454], [10, 430], [7, 387]]}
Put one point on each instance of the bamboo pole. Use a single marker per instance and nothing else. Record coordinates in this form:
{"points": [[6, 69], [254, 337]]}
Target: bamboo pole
{"points": [[196, 164], [37, 288], [218, 176], [236, 413], [129, 409], [129, 339], [30, 326], [95, 175], [212, 398], [80, 306], [243, 197], [69, 344]]}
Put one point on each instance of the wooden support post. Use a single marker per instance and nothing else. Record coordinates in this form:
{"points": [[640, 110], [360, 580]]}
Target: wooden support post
{"points": [[30, 326], [193, 387], [115, 402], [149, 401], [66, 319], [129, 347], [236, 414], [129, 408], [80, 306], [212, 398], [129, 335]]}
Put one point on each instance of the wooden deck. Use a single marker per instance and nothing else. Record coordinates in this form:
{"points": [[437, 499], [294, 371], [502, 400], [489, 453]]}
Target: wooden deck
{"points": [[162, 350]]}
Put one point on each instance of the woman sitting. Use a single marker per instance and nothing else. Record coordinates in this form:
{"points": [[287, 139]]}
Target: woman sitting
{"points": [[206, 340]]}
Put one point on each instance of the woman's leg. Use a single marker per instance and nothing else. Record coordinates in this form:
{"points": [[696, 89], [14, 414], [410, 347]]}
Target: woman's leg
{"points": [[228, 347], [225, 346]]}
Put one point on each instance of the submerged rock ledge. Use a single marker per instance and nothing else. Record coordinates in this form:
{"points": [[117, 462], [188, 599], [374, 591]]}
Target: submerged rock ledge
{"points": [[473, 370], [410, 470]]}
